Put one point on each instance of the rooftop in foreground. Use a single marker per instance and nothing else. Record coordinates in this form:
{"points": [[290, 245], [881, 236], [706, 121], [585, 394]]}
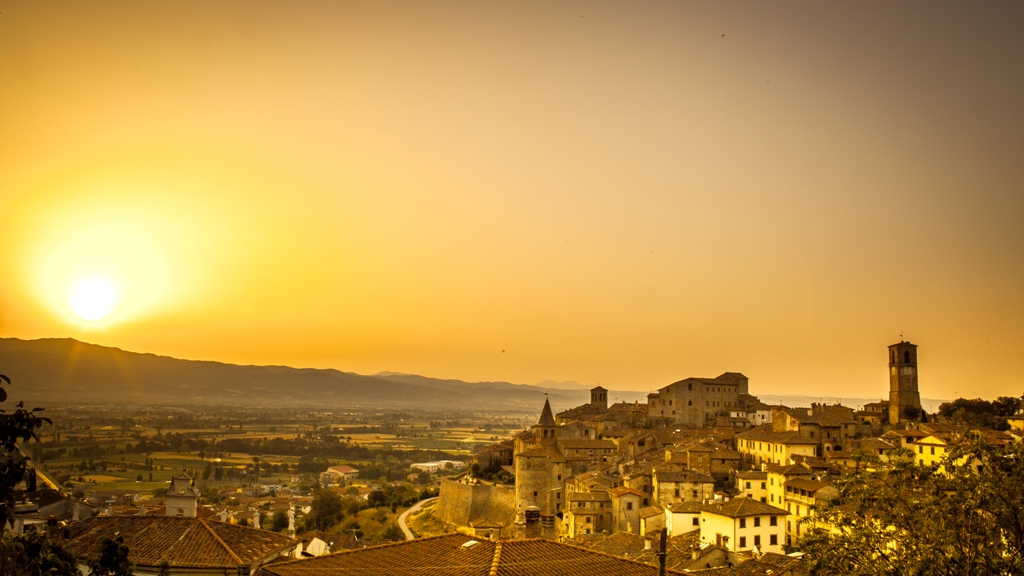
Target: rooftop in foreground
{"points": [[461, 555]]}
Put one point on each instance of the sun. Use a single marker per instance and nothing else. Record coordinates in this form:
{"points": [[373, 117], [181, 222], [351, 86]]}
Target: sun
{"points": [[93, 298]]}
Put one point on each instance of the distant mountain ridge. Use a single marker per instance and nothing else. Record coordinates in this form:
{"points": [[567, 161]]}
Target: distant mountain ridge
{"points": [[73, 373], [930, 405]]}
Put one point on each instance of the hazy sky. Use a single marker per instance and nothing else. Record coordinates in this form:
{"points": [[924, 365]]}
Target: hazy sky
{"points": [[625, 193]]}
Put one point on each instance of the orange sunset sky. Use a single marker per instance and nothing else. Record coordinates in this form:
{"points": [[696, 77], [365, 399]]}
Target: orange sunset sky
{"points": [[620, 193]]}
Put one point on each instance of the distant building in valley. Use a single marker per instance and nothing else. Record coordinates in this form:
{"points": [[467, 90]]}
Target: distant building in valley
{"points": [[335, 473]]}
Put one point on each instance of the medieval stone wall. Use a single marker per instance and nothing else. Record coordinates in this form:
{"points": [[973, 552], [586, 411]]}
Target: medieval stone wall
{"points": [[463, 504]]}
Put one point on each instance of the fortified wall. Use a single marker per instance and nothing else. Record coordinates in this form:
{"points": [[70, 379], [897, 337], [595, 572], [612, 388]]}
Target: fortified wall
{"points": [[465, 504]]}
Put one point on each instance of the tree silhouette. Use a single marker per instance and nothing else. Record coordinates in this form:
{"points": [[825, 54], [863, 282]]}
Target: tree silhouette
{"points": [[19, 425]]}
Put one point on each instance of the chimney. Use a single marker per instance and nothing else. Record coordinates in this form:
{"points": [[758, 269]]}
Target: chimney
{"points": [[532, 522]]}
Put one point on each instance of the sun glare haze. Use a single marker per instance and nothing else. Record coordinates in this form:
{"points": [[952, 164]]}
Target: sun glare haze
{"points": [[597, 192], [93, 298]]}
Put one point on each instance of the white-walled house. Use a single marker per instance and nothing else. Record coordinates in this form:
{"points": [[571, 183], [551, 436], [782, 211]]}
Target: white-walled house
{"points": [[683, 517], [743, 524]]}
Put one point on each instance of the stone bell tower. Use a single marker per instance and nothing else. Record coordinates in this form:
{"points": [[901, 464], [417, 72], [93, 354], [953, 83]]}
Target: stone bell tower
{"points": [[544, 429], [903, 391], [599, 398]]}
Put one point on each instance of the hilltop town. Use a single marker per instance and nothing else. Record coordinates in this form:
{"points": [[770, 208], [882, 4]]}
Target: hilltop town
{"points": [[702, 478]]}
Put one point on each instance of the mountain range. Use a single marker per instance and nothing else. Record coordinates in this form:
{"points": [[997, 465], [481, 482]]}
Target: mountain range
{"points": [[64, 371]]}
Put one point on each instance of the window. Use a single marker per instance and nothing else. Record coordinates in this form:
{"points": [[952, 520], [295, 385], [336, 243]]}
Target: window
{"points": [[933, 450], [559, 476], [689, 402], [774, 521], [629, 506], [677, 492], [743, 541], [645, 501], [920, 449], [743, 522], [695, 521], [906, 356], [774, 540], [757, 521], [695, 493], [669, 402], [757, 541], [589, 519], [748, 485], [762, 486], [534, 492]]}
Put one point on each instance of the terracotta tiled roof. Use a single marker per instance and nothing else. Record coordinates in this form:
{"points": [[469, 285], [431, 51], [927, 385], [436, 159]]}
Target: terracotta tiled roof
{"points": [[740, 507], [788, 470], [596, 496], [636, 547], [454, 555], [181, 542], [343, 469], [622, 491], [765, 435], [768, 564], [650, 511], [806, 484]]}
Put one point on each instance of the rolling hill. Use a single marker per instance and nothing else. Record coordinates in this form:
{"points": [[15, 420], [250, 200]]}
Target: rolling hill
{"points": [[65, 371]]}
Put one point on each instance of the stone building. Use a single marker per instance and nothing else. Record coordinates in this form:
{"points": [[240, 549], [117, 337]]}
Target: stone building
{"points": [[904, 396], [540, 474], [674, 486], [696, 401]]}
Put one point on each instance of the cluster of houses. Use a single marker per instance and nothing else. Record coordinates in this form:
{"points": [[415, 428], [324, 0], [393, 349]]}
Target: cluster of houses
{"points": [[703, 479], [706, 462]]}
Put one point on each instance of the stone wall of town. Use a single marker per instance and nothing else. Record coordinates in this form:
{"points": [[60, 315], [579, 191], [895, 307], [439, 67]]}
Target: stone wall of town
{"points": [[464, 504]]}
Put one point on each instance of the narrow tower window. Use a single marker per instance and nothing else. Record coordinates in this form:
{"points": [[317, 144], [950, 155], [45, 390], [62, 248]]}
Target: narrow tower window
{"points": [[906, 356]]}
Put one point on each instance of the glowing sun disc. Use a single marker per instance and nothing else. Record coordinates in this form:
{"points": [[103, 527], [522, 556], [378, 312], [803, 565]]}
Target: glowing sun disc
{"points": [[93, 298]]}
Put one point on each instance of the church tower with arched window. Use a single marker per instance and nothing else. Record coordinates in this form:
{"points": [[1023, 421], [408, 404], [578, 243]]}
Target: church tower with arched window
{"points": [[904, 396], [544, 430]]}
